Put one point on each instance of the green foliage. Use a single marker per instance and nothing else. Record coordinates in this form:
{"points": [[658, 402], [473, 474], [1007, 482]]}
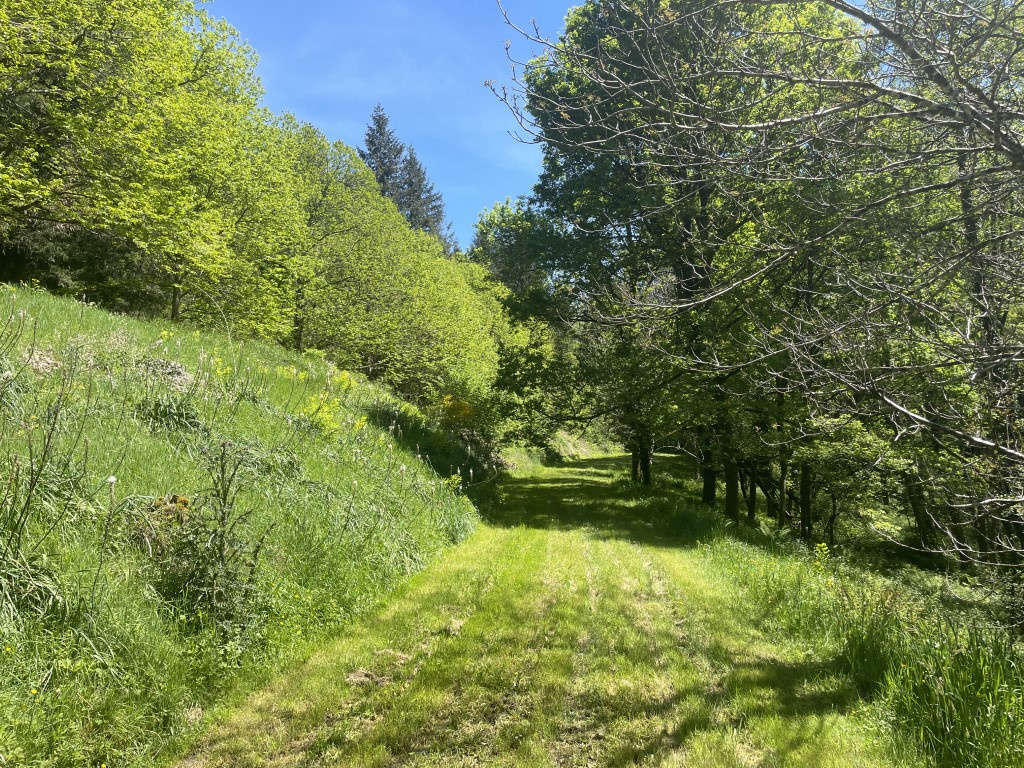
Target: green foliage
{"points": [[419, 202], [383, 154], [519, 246], [142, 171], [403, 179]]}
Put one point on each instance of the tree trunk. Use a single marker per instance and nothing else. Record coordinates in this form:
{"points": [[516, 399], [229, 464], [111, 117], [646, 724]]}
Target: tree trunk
{"points": [[175, 303], [806, 523], [635, 463], [918, 507], [781, 513], [832, 522], [732, 489], [776, 504], [646, 459], [710, 478], [752, 497], [299, 322], [299, 333]]}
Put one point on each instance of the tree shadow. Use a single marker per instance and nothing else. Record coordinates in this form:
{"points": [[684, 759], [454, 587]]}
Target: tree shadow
{"points": [[803, 693], [615, 726], [487, 691], [594, 494]]}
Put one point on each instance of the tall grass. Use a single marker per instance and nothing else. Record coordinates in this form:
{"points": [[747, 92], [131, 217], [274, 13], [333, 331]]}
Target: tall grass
{"points": [[958, 690], [127, 447], [952, 687]]}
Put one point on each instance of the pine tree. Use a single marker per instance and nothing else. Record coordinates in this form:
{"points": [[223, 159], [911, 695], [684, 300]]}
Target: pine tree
{"points": [[403, 179], [421, 203], [383, 154]]}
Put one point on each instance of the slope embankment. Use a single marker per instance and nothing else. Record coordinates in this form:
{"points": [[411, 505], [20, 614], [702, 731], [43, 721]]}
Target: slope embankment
{"points": [[181, 516]]}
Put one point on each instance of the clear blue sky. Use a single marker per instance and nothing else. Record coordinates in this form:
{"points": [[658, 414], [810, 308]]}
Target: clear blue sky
{"points": [[330, 61]]}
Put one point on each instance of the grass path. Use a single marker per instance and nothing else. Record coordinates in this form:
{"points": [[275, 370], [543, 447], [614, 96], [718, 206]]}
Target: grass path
{"points": [[574, 629]]}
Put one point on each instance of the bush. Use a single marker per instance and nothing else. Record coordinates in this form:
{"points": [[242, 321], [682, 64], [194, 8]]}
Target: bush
{"points": [[204, 559], [464, 456]]}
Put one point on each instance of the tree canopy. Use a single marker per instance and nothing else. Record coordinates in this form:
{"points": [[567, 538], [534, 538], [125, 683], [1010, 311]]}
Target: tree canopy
{"points": [[403, 179], [785, 243], [140, 169]]}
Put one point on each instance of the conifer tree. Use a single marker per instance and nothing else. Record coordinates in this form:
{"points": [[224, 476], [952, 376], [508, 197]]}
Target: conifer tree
{"points": [[421, 203], [402, 178], [383, 154]]}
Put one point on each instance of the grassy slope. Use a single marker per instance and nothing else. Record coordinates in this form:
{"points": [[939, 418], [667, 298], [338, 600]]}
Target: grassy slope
{"points": [[110, 673], [586, 625]]}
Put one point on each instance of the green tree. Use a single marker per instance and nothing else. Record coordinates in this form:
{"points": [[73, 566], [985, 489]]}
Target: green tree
{"points": [[421, 204], [383, 154]]}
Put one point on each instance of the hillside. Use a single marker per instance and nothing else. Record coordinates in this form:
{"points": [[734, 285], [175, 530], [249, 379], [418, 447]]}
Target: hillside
{"points": [[203, 538], [703, 445], [182, 514]]}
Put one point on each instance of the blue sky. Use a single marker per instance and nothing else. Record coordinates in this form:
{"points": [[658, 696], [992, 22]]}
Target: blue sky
{"points": [[329, 62]]}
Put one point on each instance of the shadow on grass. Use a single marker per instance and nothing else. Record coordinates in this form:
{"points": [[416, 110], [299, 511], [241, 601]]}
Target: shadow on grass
{"points": [[595, 494], [487, 698]]}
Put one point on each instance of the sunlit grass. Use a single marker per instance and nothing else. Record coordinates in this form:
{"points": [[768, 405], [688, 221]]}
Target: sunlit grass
{"points": [[587, 623], [346, 508]]}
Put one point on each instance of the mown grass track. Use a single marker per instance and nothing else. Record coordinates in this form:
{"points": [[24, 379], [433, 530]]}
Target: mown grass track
{"points": [[584, 625]]}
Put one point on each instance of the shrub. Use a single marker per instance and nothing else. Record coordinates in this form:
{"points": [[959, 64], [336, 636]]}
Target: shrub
{"points": [[323, 414], [472, 461], [204, 559]]}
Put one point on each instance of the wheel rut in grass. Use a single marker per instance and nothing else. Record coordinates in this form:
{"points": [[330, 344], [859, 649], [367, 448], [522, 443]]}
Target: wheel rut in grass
{"points": [[583, 625]]}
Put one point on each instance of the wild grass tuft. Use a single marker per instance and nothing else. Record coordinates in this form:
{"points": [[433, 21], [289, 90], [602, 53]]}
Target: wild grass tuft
{"points": [[958, 690]]}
